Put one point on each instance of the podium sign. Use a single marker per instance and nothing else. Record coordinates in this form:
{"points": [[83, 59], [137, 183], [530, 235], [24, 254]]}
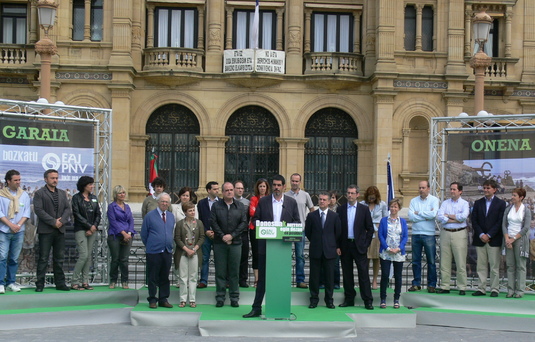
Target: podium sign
{"points": [[279, 236]]}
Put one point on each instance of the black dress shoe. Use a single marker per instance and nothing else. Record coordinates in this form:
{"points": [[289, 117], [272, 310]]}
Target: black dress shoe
{"points": [[462, 292], [330, 306], [219, 304], [494, 294], [345, 304], [38, 289], [253, 313], [368, 306], [234, 304], [442, 291], [63, 288], [478, 293], [312, 306], [244, 285]]}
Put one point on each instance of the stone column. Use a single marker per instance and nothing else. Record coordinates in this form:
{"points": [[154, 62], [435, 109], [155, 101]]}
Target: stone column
{"points": [[455, 25], [200, 37], [419, 9], [87, 20], [356, 31], [405, 168], [508, 20], [34, 21], [385, 36], [122, 168], [150, 26], [292, 156], [384, 111], [365, 169], [467, 31], [528, 47], [308, 33], [228, 40], [212, 159], [214, 51], [138, 187], [294, 52], [121, 34], [280, 28]]}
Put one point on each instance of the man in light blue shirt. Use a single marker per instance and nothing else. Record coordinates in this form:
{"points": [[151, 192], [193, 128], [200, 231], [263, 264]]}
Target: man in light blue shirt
{"points": [[422, 212], [305, 206], [14, 211], [452, 216]]}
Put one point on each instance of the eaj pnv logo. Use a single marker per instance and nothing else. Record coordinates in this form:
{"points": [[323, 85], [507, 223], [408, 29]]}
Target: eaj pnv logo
{"points": [[266, 232]]}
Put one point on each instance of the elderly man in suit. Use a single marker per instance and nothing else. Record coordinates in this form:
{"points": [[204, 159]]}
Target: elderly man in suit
{"points": [[54, 211], [357, 233], [487, 217], [157, 236], [323, 230], [278, 208]]}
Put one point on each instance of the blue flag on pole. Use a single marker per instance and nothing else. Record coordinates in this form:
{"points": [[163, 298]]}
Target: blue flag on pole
{"points": [[390, 180]]}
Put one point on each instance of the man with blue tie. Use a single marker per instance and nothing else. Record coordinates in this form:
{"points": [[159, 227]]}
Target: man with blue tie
{"points": [[323, 230], [157, 236], [357, 233]]}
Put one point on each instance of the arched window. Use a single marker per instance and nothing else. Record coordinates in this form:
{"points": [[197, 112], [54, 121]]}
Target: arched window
{"points": [[330, 153], [251, 151], [419, 144], [172, 129]]}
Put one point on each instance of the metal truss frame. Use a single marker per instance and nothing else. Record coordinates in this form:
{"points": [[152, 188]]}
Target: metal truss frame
{"points": [[441, 127], [102, 120]]}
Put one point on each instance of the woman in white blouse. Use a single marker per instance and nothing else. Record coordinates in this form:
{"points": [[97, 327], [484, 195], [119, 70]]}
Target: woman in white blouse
{"points": [[516, 224]]}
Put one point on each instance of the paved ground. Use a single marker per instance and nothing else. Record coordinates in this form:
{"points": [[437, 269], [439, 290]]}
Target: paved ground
{"points": [[125, 332]]}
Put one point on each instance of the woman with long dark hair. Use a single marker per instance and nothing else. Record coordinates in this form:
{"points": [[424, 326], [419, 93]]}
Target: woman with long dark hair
{"points": [[261, 189]]}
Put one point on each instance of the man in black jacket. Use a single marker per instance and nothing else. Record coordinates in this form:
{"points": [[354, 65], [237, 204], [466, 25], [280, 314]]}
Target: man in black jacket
{"points": [[53, 210], [228, 223]]}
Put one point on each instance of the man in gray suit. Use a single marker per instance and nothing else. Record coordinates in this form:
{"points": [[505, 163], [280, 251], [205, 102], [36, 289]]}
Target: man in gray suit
{"points": [[53, 210]]}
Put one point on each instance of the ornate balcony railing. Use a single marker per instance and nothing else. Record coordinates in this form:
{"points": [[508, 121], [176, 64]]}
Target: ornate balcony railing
{"points": [[500, 67], [168, 58], [11, 54], [333, 63]]}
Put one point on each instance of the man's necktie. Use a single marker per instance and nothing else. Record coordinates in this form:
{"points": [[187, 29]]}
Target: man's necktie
{"points": [[163, 217], [322, 219]]}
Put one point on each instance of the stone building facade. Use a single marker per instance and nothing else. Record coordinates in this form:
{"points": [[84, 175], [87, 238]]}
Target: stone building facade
{"points": [[362, 80]]}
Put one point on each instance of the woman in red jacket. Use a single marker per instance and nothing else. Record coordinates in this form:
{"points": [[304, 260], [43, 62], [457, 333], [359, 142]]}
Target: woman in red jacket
{"points": [[261, 189]]}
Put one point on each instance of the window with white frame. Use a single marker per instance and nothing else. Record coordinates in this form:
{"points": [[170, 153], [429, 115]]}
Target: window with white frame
{"points": [[243, 28], [332, 32], [176, 27], [96, 10], [13, 28]]}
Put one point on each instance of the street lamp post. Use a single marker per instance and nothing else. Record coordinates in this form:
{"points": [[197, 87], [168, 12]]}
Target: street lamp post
{"points": [[480, 61], [45, 47]]}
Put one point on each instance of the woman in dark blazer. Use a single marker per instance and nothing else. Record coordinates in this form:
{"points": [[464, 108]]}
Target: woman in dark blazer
{"points": [[86, 211], [516, 224]]}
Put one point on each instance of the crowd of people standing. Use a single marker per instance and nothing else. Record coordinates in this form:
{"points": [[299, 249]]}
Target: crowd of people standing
{"points": [[351, 234]]}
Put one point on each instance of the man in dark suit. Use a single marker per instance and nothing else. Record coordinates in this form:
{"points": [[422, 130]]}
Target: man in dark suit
{"points": [[204, 207], [54, 211], [323, 230], [357, 233], [278, 208], [487, 216]]}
